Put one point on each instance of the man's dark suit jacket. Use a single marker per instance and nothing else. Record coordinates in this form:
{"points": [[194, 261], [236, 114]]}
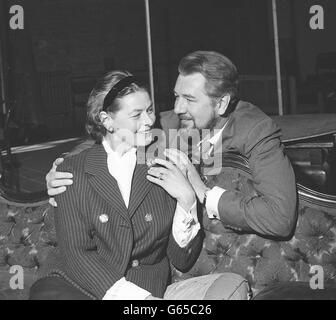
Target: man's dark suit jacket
{"points": [[268, 206], [102, 241]]}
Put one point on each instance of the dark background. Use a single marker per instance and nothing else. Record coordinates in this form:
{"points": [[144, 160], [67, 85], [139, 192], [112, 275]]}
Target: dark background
{"points": [[51, 65]]}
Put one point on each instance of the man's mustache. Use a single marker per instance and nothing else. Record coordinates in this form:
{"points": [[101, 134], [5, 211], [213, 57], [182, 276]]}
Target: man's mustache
{"points": [[183, 117]]}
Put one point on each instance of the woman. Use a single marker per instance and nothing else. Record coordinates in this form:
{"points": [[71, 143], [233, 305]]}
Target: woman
{"points": [[120, 223]]}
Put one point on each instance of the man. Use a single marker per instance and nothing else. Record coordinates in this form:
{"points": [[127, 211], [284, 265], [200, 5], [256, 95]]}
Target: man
{"points": [[206, 98]]}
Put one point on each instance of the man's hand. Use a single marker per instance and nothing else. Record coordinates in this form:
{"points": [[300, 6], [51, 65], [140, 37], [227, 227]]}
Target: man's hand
{"points": [[181, 160], [170, 178], [57, 181]]}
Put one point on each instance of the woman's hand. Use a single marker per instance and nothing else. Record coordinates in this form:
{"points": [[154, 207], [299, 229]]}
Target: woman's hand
{"points": [[181, 160], [169, 177]]}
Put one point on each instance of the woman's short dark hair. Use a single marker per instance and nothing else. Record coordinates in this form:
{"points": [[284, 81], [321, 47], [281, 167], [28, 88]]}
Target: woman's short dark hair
{"points": [[220, 73], [95, 102]]}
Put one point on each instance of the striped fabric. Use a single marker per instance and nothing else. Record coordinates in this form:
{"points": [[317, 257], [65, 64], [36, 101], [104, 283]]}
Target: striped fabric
{"points": [[102, 241]]}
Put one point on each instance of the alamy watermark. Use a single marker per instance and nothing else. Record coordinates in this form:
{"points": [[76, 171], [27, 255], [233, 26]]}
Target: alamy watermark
{"points": [[16, 282], [317, 277], [316, 22], [16, 20], [316, 281], [192, 142]]}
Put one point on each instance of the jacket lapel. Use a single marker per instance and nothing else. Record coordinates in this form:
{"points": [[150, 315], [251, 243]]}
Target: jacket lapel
{"points": [[140, 188], [227, 136], [102, 181]]}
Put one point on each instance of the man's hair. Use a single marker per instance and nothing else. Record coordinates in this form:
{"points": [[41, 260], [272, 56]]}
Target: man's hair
{"points": [[94, 126], [220, 73]]}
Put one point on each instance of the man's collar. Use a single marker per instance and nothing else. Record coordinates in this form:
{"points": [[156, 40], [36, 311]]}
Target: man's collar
{"points": [[215, 138]]}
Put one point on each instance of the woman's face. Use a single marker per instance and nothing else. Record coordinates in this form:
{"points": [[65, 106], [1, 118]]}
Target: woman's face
{"points": [[134, 120]]}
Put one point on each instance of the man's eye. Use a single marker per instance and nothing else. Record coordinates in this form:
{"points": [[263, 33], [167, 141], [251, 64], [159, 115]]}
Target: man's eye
{"points": [[136, 116], [150, 110]]}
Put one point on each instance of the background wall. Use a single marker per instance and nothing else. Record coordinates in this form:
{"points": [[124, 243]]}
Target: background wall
{"points": [[312, 42], [88, 36], [66, 44]]}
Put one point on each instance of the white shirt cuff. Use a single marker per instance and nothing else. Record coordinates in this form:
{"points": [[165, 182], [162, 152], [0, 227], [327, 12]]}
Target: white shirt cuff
{"points": [[211, 206], [185, 225], [126, 290]]}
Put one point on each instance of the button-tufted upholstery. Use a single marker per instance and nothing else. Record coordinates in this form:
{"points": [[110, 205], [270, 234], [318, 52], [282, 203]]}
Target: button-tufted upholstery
{"points": [[264, 262], [27, 238]]}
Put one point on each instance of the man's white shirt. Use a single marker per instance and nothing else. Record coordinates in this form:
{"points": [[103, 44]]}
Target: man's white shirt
{"points": [[213, 195]]}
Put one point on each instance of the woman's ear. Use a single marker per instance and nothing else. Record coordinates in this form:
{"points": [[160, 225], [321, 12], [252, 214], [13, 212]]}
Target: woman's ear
{"points": [[107, 121], [223, 104]]}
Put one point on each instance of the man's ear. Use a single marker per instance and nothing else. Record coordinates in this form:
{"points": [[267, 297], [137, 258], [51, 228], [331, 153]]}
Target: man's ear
{"points": [[223, 104], [106, 120]]}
